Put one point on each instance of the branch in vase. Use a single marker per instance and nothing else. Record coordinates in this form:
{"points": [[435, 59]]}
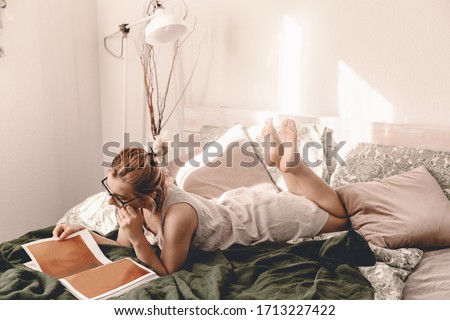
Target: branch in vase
{"points": [[157, 96], [186, 86]]}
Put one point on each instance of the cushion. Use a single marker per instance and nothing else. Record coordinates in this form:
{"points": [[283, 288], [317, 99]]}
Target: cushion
{"points": [[310, 145], [206, 135], [228, 163], [404, 210], [389, 274], [94, 213], [366, 161], [181, 154]]}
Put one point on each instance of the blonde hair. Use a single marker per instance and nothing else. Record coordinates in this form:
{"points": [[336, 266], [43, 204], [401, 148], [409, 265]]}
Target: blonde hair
{"points": [[140, 170]]}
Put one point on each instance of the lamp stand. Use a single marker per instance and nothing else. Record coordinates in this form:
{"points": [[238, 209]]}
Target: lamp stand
{"points": [[125, 85], [125, 29], [162, 28]]}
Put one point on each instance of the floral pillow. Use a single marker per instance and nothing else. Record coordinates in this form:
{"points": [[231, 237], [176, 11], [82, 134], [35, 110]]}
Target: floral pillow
{"points": [[389, 273], [94, 213], [366, 161]]}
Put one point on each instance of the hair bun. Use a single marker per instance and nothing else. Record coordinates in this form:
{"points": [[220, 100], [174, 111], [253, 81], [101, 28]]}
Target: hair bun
{"points": [[153, 159], [160, 147]]}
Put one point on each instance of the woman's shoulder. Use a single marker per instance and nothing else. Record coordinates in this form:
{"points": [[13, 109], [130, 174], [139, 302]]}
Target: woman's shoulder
{"points": [[179, 217], [175, 194], [178, 199], [180, 212]]}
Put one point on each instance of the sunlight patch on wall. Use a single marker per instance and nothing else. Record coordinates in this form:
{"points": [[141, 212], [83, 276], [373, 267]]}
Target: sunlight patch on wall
{"points": [[359, 101], [290, 67]]}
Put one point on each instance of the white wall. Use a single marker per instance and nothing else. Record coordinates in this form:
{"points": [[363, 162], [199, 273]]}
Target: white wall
{"points": [[374, 59], [112, 13], [377, 60], [50, 133], [381, 60]]}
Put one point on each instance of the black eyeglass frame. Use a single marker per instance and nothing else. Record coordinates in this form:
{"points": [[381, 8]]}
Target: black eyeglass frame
{"points": [[120, 203]]}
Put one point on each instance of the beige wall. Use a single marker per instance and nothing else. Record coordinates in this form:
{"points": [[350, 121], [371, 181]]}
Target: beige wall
{"points": [[381, 60], [50, 133], [377, 60]]}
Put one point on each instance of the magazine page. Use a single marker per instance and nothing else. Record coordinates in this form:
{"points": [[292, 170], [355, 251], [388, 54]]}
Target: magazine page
{"points": [[62, 258], [108, 280]]}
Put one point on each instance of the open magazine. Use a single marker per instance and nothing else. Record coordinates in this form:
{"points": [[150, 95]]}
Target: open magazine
{"points": [[79, 264]]}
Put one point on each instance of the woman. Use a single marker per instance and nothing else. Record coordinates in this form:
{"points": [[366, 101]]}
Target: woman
{"points": [[151, 211]]}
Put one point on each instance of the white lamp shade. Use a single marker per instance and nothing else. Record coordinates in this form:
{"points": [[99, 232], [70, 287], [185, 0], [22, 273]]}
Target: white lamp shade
{"points": [[164, 28]]}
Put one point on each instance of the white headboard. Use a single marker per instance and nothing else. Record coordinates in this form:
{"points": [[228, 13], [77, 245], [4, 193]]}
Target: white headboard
{"points": [[409, 135]]}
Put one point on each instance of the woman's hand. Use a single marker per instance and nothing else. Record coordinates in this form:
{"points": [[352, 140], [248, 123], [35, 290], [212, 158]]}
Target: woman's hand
{"points": [[131, 223], [63, 230]]}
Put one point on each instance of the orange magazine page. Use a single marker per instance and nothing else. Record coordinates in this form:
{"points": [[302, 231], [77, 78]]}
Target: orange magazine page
{"points": [[61, 258], [108, 280], [83, 269]]}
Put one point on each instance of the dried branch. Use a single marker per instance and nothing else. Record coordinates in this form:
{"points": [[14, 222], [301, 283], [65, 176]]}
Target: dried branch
{"points": [[187, 84], [189, 33], [158, 96], [169, 79], [155, 75], [145, 55]]}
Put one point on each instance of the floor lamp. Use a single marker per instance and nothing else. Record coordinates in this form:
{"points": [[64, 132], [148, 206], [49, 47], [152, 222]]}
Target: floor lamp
{"points": [[162, 28]]}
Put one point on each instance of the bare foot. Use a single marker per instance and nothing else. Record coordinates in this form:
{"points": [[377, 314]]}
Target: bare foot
{"points": [[271, 143], [288, 137]]}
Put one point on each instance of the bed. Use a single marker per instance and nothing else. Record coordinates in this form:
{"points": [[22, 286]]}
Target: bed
{"points": [[357, 264]]}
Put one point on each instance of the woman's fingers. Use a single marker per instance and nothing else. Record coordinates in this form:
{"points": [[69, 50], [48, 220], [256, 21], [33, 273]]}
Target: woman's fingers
{"points": [[61, 231], [124, 212], [65, 233], [68, 230], [130, 210], [58, 230], [119, 219], [129, 218], [129, 213]]}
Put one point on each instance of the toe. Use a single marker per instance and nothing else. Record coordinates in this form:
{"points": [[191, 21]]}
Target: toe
{"points": [[269, 122], [285, 123]]}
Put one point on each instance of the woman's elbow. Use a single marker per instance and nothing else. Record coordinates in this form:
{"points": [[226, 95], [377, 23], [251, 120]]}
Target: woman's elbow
{"points": [[168, 270]]}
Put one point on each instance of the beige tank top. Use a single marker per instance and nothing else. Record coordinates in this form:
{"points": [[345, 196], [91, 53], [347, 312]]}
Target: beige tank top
{"points": [[245, 216]]}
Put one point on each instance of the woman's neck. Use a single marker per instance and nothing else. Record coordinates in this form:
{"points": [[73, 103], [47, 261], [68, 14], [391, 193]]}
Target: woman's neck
{"points": [[152, 221]]}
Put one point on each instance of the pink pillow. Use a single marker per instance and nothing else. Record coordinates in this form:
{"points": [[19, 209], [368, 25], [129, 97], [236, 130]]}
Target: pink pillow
{"points": [[404, 210], [229, 163]]}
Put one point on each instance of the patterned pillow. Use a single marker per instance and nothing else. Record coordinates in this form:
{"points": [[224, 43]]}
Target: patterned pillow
{"points": [[210, 134], [366, 161], [389, 273], [94, 213]]}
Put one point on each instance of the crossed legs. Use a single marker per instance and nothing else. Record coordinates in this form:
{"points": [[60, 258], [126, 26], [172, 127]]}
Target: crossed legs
{"points": [[299, 178]]}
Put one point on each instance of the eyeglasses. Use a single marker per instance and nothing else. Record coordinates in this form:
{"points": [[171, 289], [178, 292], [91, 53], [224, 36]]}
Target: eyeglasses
{"points": [[114, 196]]}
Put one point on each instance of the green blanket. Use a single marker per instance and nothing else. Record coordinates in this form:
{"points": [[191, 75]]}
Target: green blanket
{"points": [[309, 270]]}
